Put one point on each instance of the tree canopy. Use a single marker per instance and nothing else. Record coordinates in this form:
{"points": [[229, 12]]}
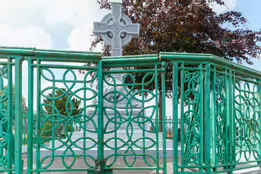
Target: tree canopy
{"points": [[188, 26]]}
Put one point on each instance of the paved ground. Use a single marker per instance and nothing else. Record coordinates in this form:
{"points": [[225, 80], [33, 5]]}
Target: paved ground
{"points": [[80, 163]]}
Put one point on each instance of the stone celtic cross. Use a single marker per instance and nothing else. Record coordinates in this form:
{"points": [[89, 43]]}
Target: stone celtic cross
{"points": [[116, 29]]}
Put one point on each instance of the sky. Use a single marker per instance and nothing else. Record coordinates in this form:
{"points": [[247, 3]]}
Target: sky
{"points": [[67, 24]]}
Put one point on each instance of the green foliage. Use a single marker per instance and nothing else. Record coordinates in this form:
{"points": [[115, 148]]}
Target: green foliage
{"points": [[47, 129], [3, 94], [61, 103], [69, 128]]}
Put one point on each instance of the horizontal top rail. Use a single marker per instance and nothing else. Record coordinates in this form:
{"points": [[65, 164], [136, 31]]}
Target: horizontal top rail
{"points": [[197, 57], [33, 52], [134, 60]]}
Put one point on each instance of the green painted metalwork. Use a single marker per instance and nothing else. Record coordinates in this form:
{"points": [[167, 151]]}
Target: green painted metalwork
{"points": [[134, 152], [7, 154], [220, 114], [216, 105]]}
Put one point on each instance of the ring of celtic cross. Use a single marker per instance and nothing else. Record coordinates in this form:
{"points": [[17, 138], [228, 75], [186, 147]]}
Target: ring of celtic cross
{"points": [[107, 37]]}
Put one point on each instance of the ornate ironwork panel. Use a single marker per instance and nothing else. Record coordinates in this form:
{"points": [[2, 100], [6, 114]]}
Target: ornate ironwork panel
{"points": [[65, 132], [219, 119], [190, 83], [247, 121], [219, 104], [132, 137]]}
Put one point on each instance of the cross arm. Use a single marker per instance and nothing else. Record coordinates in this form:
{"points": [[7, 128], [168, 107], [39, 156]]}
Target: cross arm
{"points": [[101, 27], [132, 29]]}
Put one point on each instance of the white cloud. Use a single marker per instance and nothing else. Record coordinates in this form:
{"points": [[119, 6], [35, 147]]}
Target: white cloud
{"points": [[24, 37], [81, 35], [27, 15], [81, 38], [229, 5]]}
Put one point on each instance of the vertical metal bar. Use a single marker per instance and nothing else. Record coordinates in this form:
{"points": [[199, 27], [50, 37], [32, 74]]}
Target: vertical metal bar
{"points": [[30, 115], [115, 77], [175, 116], [163, 105], [214, 117], [54, 123], [2, 125], [259, 100], [201, 108], [240, 126], [182, 92], [231, 119], [100, 116], [207, 115], [18, 116], [84, 120], [157, 116], [10, 115], [38, 118], [226, 120]]}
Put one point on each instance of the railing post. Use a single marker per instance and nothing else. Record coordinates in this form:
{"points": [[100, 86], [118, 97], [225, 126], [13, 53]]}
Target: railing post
{"points": [[100, 118], [207, 122], [30, 115], [259, 100], [214, 118], [231, 120], [38, 118], [18, 116], [164, 125], [175, 91], [10, 118]]}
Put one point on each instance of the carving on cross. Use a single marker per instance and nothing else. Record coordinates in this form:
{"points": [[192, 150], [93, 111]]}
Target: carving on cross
{"points": [[116, 29]]}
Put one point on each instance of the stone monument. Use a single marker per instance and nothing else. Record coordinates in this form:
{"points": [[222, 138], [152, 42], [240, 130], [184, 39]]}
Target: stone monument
{"points": [[116, 30]]}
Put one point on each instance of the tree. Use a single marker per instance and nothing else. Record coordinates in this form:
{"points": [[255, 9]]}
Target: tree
{"points": [[193, 26], [4, 99], [3, 94], [187, 26], [65, 104]]}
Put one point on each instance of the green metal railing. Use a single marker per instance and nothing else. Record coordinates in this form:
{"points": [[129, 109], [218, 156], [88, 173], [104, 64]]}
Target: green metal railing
{"points": [[220, 114], [214, 128]]}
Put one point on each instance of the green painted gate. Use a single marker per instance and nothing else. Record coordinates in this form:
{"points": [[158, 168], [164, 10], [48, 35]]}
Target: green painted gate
{"points": [[75, 120]]}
